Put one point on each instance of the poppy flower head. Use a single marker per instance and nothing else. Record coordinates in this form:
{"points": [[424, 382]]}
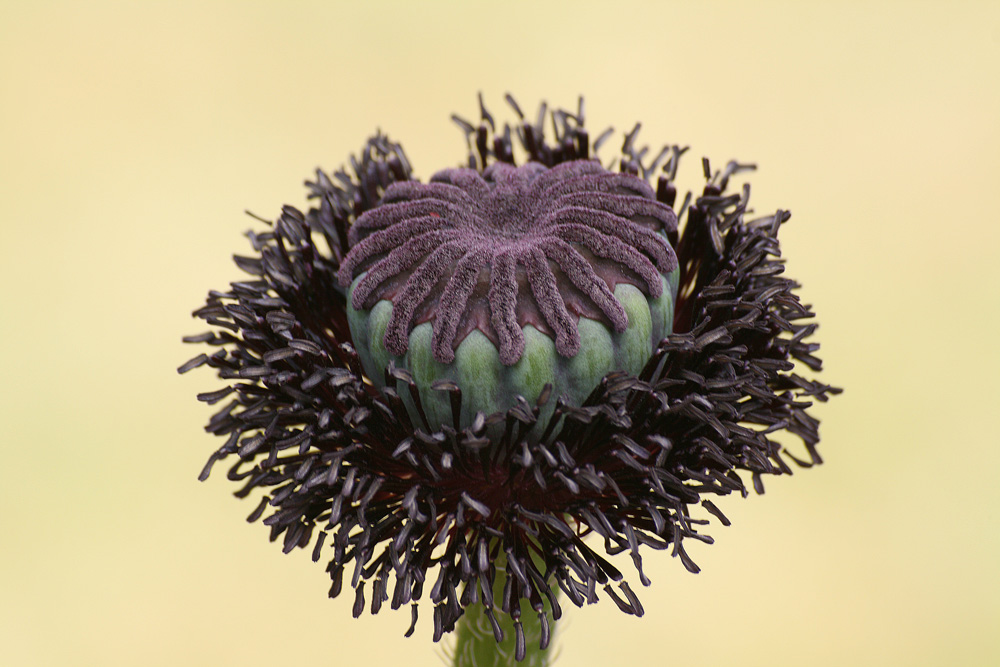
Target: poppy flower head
{"points": [[366, 455]]}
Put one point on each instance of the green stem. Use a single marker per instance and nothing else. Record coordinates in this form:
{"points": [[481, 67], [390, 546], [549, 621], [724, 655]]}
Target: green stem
{"points": [[476, 646]]}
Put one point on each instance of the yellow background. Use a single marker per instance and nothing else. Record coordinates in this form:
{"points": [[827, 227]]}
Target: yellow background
{"points": [[133, 136]]}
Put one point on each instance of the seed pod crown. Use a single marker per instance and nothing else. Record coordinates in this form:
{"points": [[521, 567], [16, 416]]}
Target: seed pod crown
{"points": [[476, 251]]}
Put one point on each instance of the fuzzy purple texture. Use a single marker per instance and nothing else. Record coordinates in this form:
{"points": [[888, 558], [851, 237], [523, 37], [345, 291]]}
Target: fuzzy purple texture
{"points": [[573, 229]]}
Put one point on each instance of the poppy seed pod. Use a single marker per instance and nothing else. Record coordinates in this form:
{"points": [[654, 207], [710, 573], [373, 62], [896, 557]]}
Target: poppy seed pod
{"points": [[510, 283], [477, 390]]}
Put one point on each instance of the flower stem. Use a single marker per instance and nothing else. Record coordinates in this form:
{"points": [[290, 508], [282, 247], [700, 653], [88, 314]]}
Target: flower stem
{"points": [[476, 646]]}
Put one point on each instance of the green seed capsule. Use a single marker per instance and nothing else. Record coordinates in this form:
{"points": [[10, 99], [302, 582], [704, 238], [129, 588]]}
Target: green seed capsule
{"points": [[487, 385], [504, 281]]}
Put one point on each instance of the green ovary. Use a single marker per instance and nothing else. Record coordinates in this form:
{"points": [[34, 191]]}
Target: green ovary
{"points": [[488, 386]]}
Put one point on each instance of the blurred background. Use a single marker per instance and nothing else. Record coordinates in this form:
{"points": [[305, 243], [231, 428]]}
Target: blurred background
{"points": [[134, 135]]}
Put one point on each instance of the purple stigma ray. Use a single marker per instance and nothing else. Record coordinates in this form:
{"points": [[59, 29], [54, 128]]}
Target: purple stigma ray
{"points": [[503, 307], [388, 215], [510, 247], [614, 249], [453, 300], [582, 274], [417, 288]]}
